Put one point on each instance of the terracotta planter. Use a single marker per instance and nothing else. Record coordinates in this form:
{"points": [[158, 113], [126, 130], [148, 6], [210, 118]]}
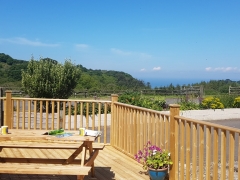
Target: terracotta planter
{"points": [[157, 174]]}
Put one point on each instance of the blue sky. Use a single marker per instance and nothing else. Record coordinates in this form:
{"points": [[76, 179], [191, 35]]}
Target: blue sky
{"points": [[159, 39]]}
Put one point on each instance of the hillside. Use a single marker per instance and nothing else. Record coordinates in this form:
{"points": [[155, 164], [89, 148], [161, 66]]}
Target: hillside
{"points": [[10, 70], [91, 80], [102, 80]]}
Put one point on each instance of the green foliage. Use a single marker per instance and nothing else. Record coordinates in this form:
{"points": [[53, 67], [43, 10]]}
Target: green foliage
{"points": [[134, 98], [48, 79], [211, 103], [105, 81], [96, 80], [236, 102], [10, 70], [90, 80], [188, 105], [227, 100], [217, 87], [90, 107]]}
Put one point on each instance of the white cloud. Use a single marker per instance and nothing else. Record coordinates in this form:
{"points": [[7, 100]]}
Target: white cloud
{"points": [[145, 56], [81, 46], [208, 68], [222, 69], [143, 69], [120, 52], [157, 68], [24, 41]]}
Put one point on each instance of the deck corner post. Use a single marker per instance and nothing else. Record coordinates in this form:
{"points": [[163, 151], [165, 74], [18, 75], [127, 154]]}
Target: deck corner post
{"points": [[174, 111], [8, 109], [114, 98]]}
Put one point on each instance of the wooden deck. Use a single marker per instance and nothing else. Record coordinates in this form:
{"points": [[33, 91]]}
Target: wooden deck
{"points": [[110, 164]]}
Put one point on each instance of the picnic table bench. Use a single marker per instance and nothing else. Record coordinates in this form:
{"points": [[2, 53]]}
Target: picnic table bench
{"points": [[78, 162]]}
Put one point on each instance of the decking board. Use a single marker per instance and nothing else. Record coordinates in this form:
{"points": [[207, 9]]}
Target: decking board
{"points": [[110, 164]]}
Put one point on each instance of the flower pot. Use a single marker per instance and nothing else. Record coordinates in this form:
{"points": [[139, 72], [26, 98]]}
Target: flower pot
{"points": [[157, 174]]}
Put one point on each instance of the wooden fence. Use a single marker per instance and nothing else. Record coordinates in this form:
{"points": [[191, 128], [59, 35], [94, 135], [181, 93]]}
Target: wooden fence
{"points": [[234, 90], [199, 150], [49, 114]]}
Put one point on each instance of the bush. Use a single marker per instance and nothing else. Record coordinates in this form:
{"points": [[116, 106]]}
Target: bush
{"points": [[136, 99], [186, 105], [90, 109], [236, 102], [227, 100], [211, 103]]}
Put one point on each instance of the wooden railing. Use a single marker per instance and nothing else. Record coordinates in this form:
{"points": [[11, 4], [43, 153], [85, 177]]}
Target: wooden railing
{"points": [[205, 150], [49, 114], [132, 127], [199, 149]]}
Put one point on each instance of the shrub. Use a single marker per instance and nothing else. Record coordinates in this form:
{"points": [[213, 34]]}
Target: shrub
{"points": [[184, 105], [227, 100], [90, 109], [236, 102], [147, 102], [211, 103]]}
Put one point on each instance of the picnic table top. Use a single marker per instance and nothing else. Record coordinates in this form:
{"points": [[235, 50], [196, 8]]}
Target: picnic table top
{"points": [[38, 135]]}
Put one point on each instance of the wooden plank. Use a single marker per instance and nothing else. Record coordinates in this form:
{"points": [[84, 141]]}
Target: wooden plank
{"points": [[215, 154], [223, 154], [231, 155], [208, 152], [201, 151], [35, 145], [194, 151], [188, 150], [35, 114], [75, 116], [109, 164], [182, 148], [36, 160], [52, 120], [29, 115], [64, 144], [44, 169]]}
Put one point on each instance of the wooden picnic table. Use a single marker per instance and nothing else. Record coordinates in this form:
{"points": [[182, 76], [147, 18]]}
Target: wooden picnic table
{"points": [[34, 139]]}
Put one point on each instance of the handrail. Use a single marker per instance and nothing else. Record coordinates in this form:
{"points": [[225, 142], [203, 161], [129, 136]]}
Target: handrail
{"points": [[227, 128], [63, 100], [196, 146], [141, 108], [204, 149], [134, 126], [48, 114]]}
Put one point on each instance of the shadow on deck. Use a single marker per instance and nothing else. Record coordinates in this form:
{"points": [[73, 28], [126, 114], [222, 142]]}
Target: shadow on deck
{"points": [[110, 164]]}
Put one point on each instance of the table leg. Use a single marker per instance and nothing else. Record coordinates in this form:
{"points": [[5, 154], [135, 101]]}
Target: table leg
{"points": [[83, 156], [90, 149], [75, 154], [80, 177]]}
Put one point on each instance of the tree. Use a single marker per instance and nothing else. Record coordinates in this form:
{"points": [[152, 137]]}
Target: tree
{"points": [[47, 78]]}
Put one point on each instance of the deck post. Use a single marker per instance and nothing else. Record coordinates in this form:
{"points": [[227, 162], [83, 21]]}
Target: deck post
{"points": [[114, 98], [1, 107], [174, 111], [8, 109]]}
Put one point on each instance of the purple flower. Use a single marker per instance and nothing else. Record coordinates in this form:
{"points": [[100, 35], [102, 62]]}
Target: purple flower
{"points": [[153, 156]]}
